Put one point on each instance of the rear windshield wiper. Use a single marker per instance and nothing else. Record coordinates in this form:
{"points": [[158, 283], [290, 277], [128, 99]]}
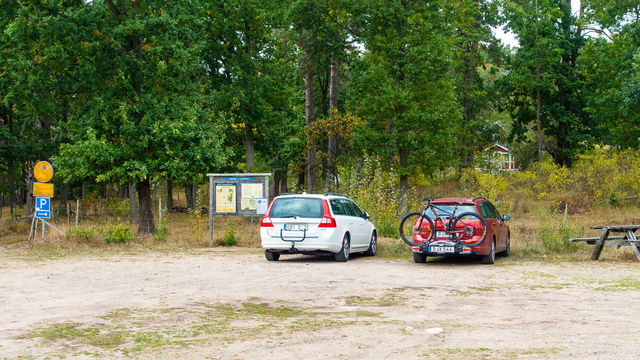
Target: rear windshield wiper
{"points": [[286, 216]]}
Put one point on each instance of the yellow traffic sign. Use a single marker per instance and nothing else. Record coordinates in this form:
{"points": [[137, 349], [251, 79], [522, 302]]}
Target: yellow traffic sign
{"points": [[43, 171], [42, 189]]}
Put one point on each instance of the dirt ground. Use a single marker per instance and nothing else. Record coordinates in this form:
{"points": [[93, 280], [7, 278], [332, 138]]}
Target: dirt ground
{"points": [[233, 304]]}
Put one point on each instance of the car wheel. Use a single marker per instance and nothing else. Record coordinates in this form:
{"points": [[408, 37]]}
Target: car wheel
{"points": [[373, 245], [419, 258], [271, 256], [343, 254], [490, 258], [507, 251]]}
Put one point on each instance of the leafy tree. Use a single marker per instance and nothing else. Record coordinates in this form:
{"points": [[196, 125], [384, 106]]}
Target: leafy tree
{"points": [[145, 117], [543, 85], [403, 89], [611, 64]]}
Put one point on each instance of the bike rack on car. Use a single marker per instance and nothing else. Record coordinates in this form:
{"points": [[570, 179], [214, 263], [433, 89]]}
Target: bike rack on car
{"points": [[293, 242]]}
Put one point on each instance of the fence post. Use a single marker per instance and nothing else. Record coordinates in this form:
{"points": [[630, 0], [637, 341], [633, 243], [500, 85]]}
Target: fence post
{"points": [[211, 210], [77, 210]]}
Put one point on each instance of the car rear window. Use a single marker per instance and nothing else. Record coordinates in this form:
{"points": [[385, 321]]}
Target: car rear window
{"points": [[444, 210], [300, 207]]}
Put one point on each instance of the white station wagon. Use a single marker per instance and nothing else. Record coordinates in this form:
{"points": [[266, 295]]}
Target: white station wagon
{"points": [[316, 224]]}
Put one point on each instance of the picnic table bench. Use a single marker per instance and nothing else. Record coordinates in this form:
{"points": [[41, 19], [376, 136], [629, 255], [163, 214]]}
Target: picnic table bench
{"points": [[629, 238]]}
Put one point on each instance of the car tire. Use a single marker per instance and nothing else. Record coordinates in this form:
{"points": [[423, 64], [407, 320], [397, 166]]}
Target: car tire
{"points": [[373, 245], [343, 254], [419, 258], [490, 258], [271, 256], [506, 251]]}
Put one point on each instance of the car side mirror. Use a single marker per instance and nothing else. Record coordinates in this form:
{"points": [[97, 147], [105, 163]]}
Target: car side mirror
{"points": [[366, 215], [506, 217]]}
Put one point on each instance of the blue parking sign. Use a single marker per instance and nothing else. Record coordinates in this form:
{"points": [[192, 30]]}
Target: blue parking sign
{"points": [[43, 208]]}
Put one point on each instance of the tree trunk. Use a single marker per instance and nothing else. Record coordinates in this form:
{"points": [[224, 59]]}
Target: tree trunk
{"points": [[404, 181], [248, 138], [283, 183], [188, 193], [29, 198], [332, 146], [146, 214], [468, 110], [310, 118], [133, 204], [539, 124], [122, 191], [64, 198], [12, 187], [169, 194]]}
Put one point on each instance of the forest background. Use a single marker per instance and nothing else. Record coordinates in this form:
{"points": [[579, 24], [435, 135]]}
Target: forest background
{"points": [[134, 101]]}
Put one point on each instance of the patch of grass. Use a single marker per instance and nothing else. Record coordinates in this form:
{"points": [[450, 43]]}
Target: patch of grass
{"points": [[281, 312], [128, 331], [393, 248], [623, 284], [483, 353], [77, 332], [386, 300]]}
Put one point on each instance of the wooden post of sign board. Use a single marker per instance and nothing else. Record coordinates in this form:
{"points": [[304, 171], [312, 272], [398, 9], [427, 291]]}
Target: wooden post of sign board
{"points": [[77, 210], [68, 215]]}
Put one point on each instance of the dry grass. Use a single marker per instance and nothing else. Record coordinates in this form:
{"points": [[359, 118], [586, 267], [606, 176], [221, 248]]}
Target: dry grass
{"points": [[538, 233]]}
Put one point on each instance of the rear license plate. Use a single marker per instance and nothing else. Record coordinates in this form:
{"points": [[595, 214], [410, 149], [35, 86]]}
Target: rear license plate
{"points": [[296, 227], [441, 249], [443, 235]]}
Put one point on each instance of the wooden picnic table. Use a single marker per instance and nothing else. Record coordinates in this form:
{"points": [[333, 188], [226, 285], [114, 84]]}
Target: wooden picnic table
{"points": [[629, 238]]}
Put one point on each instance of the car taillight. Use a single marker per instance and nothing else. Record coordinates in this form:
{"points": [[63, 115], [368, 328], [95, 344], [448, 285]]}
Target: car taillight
{"points": [[327, 222], [266, 222]]}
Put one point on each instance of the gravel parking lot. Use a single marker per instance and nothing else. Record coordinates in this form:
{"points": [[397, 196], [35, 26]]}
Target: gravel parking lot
{"points": [[233, 304]]}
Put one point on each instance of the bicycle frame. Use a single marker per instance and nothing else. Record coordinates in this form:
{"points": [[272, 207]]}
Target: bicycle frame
{"points": [[448, 226]]}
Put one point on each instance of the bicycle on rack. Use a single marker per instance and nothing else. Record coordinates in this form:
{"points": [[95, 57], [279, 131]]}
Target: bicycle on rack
{"points": [[440, 224]]}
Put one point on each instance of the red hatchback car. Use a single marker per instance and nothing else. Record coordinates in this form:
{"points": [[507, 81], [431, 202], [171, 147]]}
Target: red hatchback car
{"points": [[445, 234]]}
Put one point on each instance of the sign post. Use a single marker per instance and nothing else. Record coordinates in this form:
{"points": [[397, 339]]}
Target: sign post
{"points": [[237, 195], [43, 192]]}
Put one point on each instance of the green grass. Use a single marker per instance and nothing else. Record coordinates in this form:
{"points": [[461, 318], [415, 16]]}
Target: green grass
{"points": [[129, 331]]}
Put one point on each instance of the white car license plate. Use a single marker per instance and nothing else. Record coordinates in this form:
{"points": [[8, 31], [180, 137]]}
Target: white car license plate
{"points": [[296, 227], [443, 235], [441, 249]]}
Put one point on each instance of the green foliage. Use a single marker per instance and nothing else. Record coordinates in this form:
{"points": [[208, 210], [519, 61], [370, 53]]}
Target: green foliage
{"points": [[118, 234], [554, 239], [543, 82], [229, 238], [602, 176], [161, 232], [374, 189], [405, 72], [83, 235]]}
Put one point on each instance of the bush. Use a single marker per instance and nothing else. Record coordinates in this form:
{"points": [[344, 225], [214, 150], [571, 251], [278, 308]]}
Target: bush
{"points": [[229, 238], [117, 234], [160, 235], [554, 239], [82, 235]]}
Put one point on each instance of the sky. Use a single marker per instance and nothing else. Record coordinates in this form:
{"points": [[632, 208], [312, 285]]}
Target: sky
{"points": [[508, 38]]}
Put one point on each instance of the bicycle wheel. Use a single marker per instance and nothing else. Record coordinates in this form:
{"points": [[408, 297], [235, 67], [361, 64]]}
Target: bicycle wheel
{"points": [[416, 229], [470, 228]]}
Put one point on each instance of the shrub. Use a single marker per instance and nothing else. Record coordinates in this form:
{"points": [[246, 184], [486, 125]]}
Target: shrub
{"points": [[117, 234], [82, 235], [554, 239], [160, 235], [229, 238]]}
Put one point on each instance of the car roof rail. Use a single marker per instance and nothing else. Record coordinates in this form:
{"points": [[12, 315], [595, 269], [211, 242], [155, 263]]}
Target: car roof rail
{"points": [[334, 194], [479, 198]]}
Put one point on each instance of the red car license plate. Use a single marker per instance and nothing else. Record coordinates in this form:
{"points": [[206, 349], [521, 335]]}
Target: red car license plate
{"points": [[441, 249]]}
